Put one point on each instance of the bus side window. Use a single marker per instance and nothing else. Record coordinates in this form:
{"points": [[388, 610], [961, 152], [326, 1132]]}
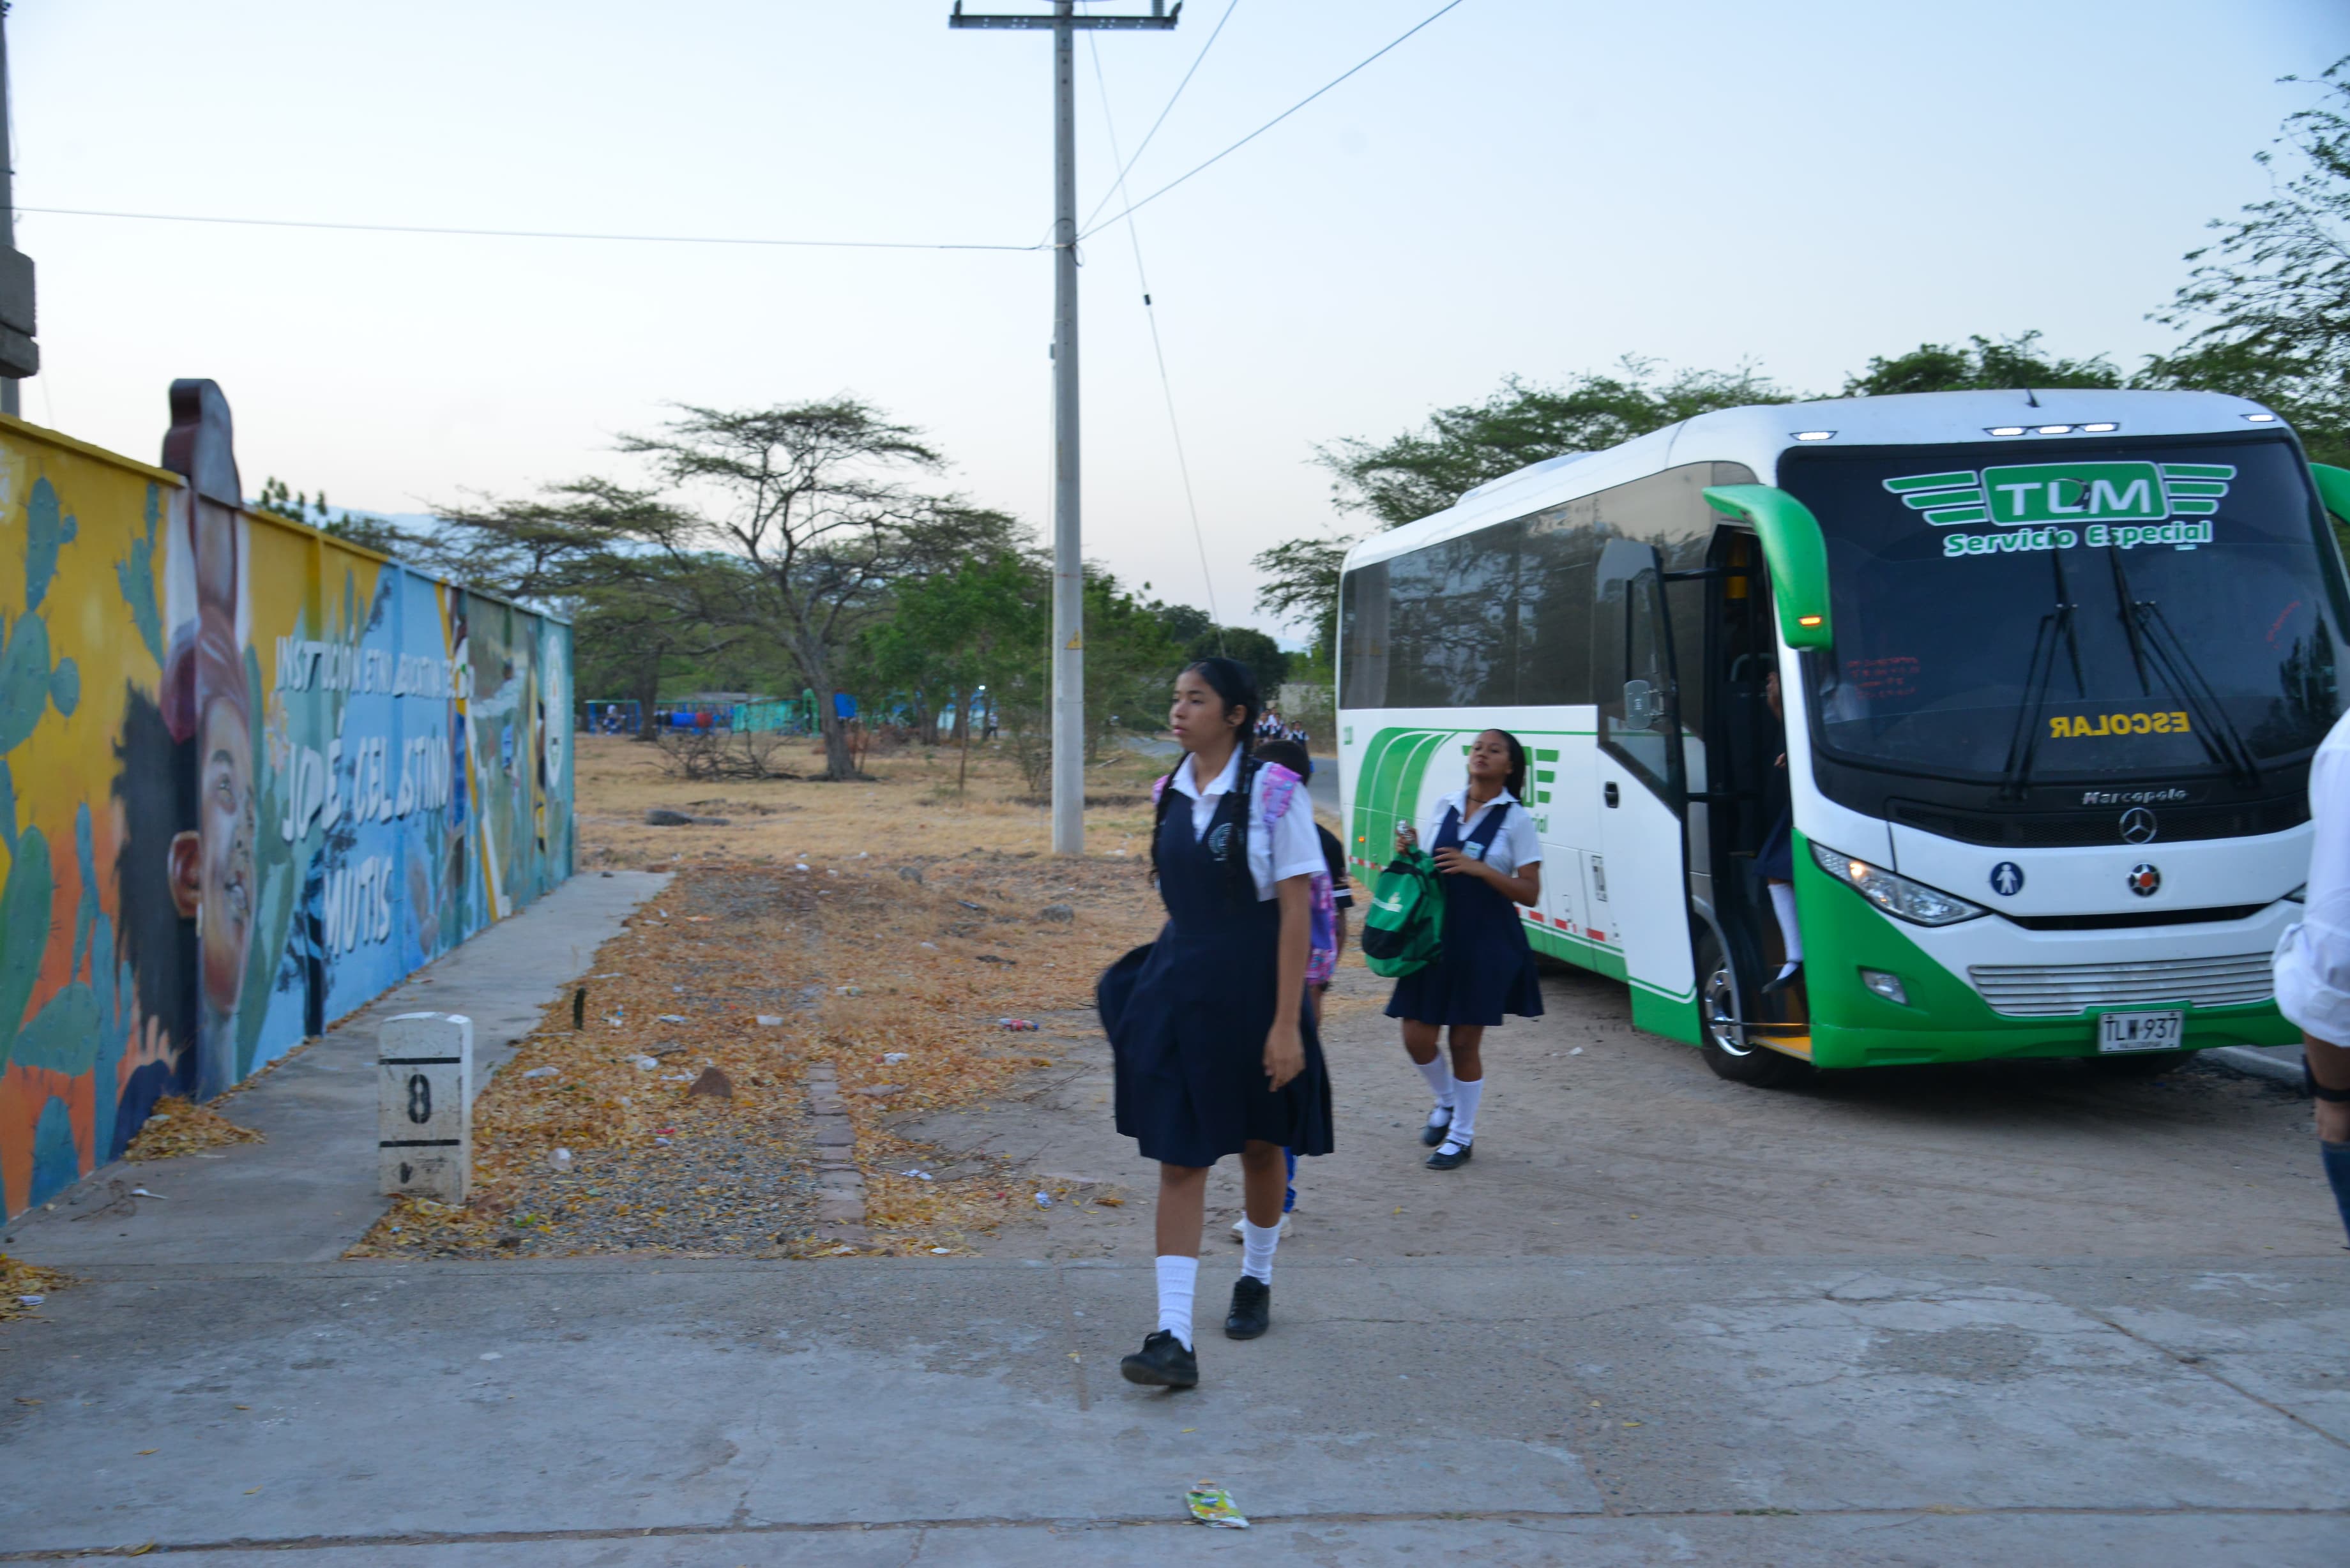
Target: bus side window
{"points": [[1632, 663]]}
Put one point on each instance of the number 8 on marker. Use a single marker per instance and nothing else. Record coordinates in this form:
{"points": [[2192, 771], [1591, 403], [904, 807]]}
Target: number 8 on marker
{"points": [[419, 1098]]}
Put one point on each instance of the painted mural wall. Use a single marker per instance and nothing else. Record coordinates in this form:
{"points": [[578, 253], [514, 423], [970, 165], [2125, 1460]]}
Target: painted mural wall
{"points": [[250, 777]]}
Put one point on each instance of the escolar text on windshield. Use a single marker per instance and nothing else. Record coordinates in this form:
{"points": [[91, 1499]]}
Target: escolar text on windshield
{"points": [[2087, 726]]}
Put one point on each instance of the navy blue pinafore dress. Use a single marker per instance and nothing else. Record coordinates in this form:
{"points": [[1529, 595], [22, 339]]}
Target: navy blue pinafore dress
{"points": [[1486, 966], [1187, 1016]]}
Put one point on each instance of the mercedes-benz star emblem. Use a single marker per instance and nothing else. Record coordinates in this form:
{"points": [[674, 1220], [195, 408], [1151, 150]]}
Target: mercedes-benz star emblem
{"points": [[2138, 825], [2145, 881]]}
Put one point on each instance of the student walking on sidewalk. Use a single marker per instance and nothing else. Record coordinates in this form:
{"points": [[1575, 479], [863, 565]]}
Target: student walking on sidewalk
{"points": [[1216, 1053], [2313, 962], [1485, 844]]}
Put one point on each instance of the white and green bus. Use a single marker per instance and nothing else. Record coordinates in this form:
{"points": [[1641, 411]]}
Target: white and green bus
{"points": [[2054, 667]]}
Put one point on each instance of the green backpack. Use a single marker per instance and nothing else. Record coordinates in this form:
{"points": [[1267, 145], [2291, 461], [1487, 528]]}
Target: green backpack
{"points": [[1404, 930]]}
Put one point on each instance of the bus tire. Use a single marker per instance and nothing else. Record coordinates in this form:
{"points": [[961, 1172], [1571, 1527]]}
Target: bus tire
{"points": [[1721, 1040]]}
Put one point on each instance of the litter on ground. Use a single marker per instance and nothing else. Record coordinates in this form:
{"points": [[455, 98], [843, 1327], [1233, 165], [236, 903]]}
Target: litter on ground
{"points": [[1213, 1506]]}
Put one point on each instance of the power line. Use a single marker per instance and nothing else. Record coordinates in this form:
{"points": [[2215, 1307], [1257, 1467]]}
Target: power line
{"points": [[522, 234], [1150, 314], [1119, 183], [1268, 125]]}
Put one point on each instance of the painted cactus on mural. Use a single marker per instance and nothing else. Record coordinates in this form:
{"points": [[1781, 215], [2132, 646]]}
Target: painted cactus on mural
{"points": [[249, 778]]}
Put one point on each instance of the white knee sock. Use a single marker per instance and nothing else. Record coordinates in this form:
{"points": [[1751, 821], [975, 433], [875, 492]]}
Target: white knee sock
{"points": [[1177, 1276], [1466, 1092], [1257, 1242], [1783, 904], [1439, 1074]]}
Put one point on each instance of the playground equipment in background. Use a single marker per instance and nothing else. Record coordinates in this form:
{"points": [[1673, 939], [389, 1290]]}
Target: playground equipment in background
{"points": [[614, 719], [787, 715]]}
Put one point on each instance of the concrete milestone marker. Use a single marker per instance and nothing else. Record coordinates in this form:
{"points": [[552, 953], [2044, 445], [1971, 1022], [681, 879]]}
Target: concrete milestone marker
{"points": [[424, 1118]]}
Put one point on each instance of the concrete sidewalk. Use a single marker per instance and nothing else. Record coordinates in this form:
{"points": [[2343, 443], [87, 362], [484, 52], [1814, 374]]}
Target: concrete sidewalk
{"points": [[1793, 1411], [309, 1191]]}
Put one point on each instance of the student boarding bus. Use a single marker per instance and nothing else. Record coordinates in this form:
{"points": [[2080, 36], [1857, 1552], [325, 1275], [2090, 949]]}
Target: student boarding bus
{"points": [[2052, 666]]}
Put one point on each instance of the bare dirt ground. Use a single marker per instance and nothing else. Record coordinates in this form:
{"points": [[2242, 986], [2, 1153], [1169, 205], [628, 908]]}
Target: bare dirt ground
{"points": [[1595, 1137]]}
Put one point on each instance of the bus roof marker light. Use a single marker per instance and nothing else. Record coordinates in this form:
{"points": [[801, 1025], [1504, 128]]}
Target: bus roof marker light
{"points": [[2052, 430], [2004, 430], [2102, 427], [1816, 435], [2261, 418]]}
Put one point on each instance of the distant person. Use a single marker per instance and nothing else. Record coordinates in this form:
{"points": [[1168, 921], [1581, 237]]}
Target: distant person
{"points": [[1215, 1047], [1333, 899], [2313, 962], [1486, 846]]}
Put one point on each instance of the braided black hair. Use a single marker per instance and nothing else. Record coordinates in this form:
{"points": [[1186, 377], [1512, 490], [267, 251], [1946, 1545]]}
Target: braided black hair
{"points": [[1231, 680]]}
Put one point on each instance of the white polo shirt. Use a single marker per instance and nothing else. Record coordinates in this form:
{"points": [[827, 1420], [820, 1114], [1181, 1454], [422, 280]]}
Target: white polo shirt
{"points": [[2313, 958], [1515, 847], [1290, 848]]}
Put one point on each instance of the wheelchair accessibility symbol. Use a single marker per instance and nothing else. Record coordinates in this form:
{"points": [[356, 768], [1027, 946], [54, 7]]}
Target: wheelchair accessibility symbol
{"points": [[2007, 878]]}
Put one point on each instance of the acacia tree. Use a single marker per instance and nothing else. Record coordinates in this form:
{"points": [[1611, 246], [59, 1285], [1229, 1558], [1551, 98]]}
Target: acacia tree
{"points": [[787, 525]]}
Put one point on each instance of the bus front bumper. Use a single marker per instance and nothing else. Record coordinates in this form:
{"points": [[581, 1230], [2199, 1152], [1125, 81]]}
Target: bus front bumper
{"points": [[1948, 1017]]}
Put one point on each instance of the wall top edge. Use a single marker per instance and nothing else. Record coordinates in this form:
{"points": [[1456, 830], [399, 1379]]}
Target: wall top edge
{"points": [[47, 437]]}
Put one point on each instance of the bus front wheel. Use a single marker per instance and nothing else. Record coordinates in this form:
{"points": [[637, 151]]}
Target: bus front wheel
{"points": [[1724, 1039]]}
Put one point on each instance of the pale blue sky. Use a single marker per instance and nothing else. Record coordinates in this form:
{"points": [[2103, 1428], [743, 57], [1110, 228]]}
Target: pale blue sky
{"points": [[1536, 188]]}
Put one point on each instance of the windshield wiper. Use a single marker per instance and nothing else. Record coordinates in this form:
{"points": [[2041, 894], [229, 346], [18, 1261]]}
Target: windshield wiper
{"points": [[2055, 627], [2152, 642]]}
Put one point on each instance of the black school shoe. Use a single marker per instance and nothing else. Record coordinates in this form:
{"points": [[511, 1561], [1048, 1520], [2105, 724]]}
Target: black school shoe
{"points": [[1440, 1160], [1252, 1312], [1433, 1133], [1164, 1362]]}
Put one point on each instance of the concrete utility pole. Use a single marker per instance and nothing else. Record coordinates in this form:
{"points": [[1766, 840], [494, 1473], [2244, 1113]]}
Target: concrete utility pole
{"points": [[1068, 540], [19, 355]]}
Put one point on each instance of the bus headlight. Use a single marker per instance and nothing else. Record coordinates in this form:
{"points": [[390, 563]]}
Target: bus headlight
{"points": [[1896, 894]]}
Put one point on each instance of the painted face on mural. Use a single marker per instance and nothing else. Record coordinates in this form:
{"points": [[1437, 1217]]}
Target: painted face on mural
{"points": [[226, 825], [213, 866]]}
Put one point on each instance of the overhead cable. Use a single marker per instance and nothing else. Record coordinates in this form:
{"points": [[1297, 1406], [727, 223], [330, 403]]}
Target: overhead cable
{"points": [[1150, 314], [525, 234], [1117, 185], [1268, 125]]}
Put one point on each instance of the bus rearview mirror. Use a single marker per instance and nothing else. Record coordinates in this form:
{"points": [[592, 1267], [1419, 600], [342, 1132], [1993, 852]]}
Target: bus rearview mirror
{"points": [[1796, 552]]}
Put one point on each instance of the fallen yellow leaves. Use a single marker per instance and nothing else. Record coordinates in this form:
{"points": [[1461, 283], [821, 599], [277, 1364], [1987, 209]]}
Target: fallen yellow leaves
{"points": [[20, 1280], [181, 1127]]}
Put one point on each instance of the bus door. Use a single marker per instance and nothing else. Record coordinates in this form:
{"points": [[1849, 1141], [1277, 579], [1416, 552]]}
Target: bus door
{"points": [[1643, 788]]}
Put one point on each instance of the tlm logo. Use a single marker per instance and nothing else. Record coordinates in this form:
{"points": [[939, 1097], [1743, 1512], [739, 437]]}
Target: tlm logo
{"points": [[2043, 492]]}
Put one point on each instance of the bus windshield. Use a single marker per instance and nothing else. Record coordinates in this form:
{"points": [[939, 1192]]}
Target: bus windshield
{"points": [[2018, 613]]}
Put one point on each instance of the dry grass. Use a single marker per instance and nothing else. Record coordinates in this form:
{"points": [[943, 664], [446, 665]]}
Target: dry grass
{"points": [[908, 807], [872, 920], [181, 1127]]}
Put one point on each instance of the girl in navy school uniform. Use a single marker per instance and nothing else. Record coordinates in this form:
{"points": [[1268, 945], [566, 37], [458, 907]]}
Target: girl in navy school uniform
{"points": [[1486, 845], [1216, 1052]]}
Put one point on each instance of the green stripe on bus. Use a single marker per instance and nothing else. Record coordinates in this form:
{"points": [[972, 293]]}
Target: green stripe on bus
{"points": [[1932, 482], [2199, 471], [1971, 495]]}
